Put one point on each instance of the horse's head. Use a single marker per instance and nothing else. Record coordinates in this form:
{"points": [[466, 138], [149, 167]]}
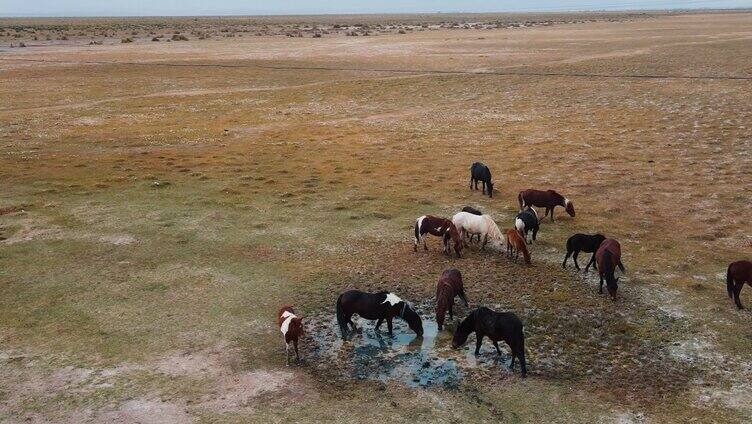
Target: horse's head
{"points": [[490, 187], [569, 206], [455, 235], [413, 319], [612, 284], [463, 330]]}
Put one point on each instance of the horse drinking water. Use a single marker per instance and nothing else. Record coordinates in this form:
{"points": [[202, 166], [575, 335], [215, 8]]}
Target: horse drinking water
{"points": [[480, 172], [607, 258], [440, 227], [291, 327], [737, 274], [548, 199], [582, 243], [449, 286], [497, 326], [375, 306]]}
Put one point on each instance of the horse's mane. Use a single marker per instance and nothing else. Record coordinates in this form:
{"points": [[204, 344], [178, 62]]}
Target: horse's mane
{"points": [[494, 230], [466, 325]]}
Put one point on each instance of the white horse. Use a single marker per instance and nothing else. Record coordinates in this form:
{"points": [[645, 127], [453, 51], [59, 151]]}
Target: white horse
{"points": [[484, 225]]}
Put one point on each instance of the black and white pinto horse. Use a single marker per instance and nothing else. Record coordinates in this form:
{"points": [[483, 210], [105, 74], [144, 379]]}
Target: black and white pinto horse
{"points": [[375, 306], [480, 173], [527, 222]]}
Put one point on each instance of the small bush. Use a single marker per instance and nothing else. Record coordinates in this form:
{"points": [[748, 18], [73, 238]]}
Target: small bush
{"points": [[155, 39], [126, 40], [179, 37]]}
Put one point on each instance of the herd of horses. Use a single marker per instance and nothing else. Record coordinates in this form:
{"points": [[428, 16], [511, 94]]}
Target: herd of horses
{"points": [[456, 233]]}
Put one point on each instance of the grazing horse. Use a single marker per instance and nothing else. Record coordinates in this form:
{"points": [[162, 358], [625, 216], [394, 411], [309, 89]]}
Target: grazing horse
{"points": [[291, 327], [607, 258], [582, 243], [497, 326], [482, 225], [515, 245], [440, 227], [472, 210], [379, 306], [738, 273], [527, 221], [449, 286], [548, 199], [480, 172]]}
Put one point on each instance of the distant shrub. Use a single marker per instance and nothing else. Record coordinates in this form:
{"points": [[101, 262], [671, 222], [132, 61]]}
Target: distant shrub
{"points": [[179, 37], [317, 35], [21, 44], [402, 31], [126, 40], [155, 39]]}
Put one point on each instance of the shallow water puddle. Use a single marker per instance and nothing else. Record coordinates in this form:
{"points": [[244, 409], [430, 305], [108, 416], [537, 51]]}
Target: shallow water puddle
{"points": [[416, 361]]}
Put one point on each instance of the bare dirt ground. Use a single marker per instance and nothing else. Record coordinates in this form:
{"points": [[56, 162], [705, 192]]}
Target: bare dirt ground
{"points": [[161, 200]]}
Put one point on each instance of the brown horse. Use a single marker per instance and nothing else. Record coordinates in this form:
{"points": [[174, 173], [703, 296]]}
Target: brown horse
{"points": [[291, 327], [515, 245], [449, 286], [439, 227], [738, 273], [548, 199], [607, 258]]}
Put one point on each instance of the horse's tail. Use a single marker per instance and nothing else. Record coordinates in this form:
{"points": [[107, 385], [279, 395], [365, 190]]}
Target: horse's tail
{"points": [[341, 318], [520, 200], [417, 231], [729, 282]]}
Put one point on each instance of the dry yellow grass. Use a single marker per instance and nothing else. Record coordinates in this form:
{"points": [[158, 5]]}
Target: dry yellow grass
{"points": [[158, 215]]}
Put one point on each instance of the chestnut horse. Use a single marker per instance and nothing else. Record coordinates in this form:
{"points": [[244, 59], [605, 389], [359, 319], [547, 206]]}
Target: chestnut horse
{"points": [[449, 286], [738, 273], [607, 258], [515, 245], [497, 326], [379, 306], [548, 199], [291, 327], [439, 227]]}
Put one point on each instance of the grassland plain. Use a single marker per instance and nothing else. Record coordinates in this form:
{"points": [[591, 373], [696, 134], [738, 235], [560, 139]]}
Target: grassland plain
{"points": [[155, 216]]}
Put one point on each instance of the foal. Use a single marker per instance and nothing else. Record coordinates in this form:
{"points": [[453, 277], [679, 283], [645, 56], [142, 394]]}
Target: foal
{"points": [[449, 286], [527, 221], [738, 273], [548, 199], [607, 258], [439, 227], [480, 172], [515, 245], [582, 243], [291, 327], [497, 326]]}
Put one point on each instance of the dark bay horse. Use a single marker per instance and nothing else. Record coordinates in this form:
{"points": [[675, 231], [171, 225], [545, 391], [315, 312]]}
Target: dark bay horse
{"points": [[515, 245], [527, 221], [582, 243], [449, 286], [497, 326], [607, 258], [291, 327], [738, 273], [548, 199], [480, 172], [379, 306], [439, 227]]}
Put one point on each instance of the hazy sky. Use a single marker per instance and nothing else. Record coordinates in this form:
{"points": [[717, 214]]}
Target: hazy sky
{"points": [[256, 7]]}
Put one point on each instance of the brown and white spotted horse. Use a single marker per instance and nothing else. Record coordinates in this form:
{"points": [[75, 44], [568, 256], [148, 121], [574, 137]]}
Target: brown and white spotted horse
{"points": [[738, 273], [291, 327], [548, 199], [439, 227]]}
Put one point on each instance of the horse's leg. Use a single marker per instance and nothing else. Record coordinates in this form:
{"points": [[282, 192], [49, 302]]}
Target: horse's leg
{"points": [[600, 290], [496, 345], [471, 182], [564, 264], [297, 354], [485, 240], [592, 262], [451, 316], [576, 254], [287, 354], [737, 290], [425, 247], [484, 186], [478, 341], [552, 214], [378, 323], [389, 324], [350, 321]]}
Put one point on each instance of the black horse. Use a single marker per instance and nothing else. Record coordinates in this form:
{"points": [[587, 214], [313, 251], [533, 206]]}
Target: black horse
{"points": [[527, 221], [582, 243], [379, 306], [480, 172], [497, 326]]}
